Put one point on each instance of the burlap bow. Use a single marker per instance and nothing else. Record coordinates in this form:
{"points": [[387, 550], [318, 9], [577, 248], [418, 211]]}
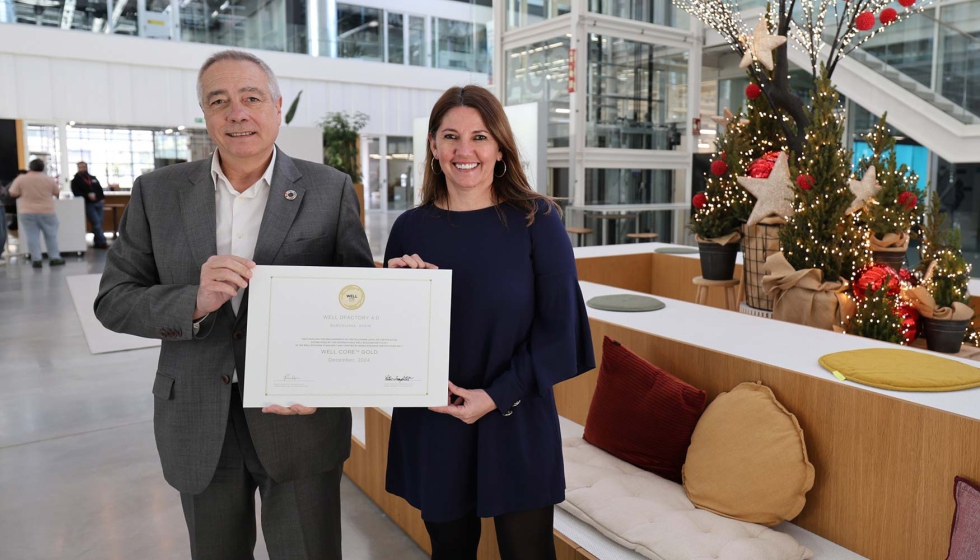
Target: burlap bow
{"points": [[928, 308], [892, 242], [733, 237], [802, 297]]}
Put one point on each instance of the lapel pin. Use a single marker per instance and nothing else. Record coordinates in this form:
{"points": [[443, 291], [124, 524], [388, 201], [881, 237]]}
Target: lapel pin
{"points": [[290, 195]]}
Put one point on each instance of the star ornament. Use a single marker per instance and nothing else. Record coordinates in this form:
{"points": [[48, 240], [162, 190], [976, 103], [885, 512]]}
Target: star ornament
{"points": [[726, 118], [760, 46], [774, 195], [864, 190]]}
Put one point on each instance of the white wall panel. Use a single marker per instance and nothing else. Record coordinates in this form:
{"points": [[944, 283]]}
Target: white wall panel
{"points": [[32, 79], [121, 98], [8, 75]]}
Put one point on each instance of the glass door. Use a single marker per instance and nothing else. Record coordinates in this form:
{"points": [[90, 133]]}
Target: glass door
{"points": [[401, 179]]}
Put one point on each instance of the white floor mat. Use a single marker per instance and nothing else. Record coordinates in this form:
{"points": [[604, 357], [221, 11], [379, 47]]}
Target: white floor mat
{"points": [[100, 340]]}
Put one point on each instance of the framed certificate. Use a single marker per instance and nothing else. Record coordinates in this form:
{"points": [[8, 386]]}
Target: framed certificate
{"points": [[347, 337]]}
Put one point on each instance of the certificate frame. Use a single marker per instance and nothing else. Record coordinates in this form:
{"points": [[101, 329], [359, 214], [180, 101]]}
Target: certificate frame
{"points": [[331, 337]]}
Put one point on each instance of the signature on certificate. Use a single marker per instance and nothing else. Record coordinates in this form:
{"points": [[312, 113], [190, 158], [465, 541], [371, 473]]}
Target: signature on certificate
{"points": [[399, 378]]}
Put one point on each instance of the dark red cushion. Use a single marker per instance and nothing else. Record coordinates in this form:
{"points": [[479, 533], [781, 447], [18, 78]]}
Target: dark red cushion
{"points": [[642, 414], [964, 542]]}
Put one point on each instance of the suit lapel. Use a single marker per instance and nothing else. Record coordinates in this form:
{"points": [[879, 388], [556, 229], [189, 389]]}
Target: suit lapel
{"points": [[197, 209], [278, 217]]}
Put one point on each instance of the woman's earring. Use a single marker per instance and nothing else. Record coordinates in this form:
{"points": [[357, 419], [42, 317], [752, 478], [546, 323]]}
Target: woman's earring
{"points": [[505, 169], [432, 165]]}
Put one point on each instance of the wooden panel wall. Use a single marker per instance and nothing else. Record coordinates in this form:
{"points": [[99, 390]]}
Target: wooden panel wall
{"points": [[652, 273], [884, 467]]}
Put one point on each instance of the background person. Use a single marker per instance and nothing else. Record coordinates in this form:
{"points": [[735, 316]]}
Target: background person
{"points": [[36, 194]]}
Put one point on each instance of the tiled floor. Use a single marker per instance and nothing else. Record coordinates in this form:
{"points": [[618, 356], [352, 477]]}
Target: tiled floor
{"points": [[79, 473]]}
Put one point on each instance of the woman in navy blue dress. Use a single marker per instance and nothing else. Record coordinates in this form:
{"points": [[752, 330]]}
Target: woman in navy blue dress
{"points": [[519, 326]]}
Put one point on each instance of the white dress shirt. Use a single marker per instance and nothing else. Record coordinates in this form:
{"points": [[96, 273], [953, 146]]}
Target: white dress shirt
{"points": [[238, 217]]}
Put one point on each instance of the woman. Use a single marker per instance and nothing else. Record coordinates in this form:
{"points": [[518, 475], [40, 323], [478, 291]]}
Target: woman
{"points": [[35, 194], [519, 326]]}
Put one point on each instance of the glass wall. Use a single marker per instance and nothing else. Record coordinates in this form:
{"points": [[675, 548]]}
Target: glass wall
{"points": [[359, 33], [401, 181], [459, 45], [907, 47], [82, 15], [528, 12], [959, 57], [958, 189], [637, 95], [116, 156], [633, 186], [43, 143], [659, 12], [539, 72], [275, 25], [372, 175]]}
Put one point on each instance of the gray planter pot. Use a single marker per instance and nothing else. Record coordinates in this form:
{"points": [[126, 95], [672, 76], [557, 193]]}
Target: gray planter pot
{"points": [[718, 261], [945, 336]]}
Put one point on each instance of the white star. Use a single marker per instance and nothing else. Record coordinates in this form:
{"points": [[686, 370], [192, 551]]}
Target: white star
{"points": [[774, 196], [725, 118], [863, 190], [760, 46]]}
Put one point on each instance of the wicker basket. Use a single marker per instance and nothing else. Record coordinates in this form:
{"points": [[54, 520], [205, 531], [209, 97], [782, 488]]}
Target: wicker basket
{"points": [[758, 242]]}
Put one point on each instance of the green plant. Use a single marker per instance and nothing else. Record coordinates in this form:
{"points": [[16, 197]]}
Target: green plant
{"points": [[292, 108], [894, 209], [340, 139], [941, 251]]}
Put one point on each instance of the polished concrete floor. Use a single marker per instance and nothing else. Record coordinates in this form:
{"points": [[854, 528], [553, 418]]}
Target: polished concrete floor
{"points": [[79, 472]]}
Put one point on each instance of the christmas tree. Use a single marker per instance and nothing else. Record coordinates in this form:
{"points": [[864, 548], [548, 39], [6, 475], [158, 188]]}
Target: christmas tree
{"points": [[715, 209], [942, 268], [820, 234], [760, 134], [876, 315], [894, 207]]}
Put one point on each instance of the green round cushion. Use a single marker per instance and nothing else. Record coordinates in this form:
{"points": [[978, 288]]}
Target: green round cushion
{"points": [[676, 250], [625, 302]]}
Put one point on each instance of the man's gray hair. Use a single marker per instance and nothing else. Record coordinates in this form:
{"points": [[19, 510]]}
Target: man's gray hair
{"points": [[243, 56]]}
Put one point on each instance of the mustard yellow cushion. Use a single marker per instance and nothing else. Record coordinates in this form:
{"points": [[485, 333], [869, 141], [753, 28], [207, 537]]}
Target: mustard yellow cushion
{"points": [[747, 459], [901, 370]]}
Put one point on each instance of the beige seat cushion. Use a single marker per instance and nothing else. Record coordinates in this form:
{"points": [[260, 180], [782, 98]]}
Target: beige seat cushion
{"points": [[748, 459], [650, 515]]}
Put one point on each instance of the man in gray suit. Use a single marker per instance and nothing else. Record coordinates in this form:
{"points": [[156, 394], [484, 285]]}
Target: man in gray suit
{"points": [[180, 271]]}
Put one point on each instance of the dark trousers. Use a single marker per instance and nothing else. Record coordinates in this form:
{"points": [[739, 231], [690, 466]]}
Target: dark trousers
{"points": [[94, 212], [300, 519], [522, 535]]}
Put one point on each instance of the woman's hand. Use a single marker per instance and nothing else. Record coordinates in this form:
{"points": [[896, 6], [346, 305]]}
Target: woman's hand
{"points": [[469, 406], [410, 261]]}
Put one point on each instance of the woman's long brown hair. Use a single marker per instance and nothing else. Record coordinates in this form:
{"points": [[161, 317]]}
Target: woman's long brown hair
{"points": [[513, 187]]}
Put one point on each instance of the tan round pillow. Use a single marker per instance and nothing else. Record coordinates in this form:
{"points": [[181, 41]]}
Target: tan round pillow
{"points": [[747, 459]]}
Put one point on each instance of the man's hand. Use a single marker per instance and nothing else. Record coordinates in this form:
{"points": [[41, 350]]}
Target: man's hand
{"points": [[296, 409], [221, 278], [410, 261], [91, 196], [469, 407]]}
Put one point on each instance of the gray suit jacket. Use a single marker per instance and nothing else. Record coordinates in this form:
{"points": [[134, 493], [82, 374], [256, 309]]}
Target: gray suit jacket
{"points": [[149, 289]]}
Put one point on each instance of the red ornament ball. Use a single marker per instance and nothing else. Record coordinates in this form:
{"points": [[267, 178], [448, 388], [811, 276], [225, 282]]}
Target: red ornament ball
{"points": [[874, 277], [905, 275], [762, 167], [908, 200], [805, 182], [700, 200], [753, 91], [719, 167], [888, 15], [865, 21], [910, 322], [906, 3]]}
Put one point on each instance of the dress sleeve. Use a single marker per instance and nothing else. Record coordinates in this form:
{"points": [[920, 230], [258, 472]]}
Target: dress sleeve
{"points": [[559, 346]]}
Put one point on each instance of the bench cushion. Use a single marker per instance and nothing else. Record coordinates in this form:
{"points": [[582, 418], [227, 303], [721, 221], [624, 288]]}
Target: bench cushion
{"points": [[652, 516], [642, 414]]}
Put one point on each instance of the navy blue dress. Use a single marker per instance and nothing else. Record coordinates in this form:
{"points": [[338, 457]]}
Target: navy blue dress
{"points": [[519, 326]]}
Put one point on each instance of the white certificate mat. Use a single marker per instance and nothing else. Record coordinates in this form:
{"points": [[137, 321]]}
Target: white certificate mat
{"points": [[340, 337]]}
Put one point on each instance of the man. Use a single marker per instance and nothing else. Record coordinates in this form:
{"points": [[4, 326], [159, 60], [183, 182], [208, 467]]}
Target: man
{"points": [[86, 186], [179, 271]]}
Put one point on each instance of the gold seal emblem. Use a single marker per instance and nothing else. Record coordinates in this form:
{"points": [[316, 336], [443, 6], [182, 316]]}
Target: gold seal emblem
{"points": [[351, 297]]}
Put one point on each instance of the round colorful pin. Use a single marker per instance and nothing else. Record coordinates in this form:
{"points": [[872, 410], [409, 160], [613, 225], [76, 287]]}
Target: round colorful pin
{"points": [[290, 195]]}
